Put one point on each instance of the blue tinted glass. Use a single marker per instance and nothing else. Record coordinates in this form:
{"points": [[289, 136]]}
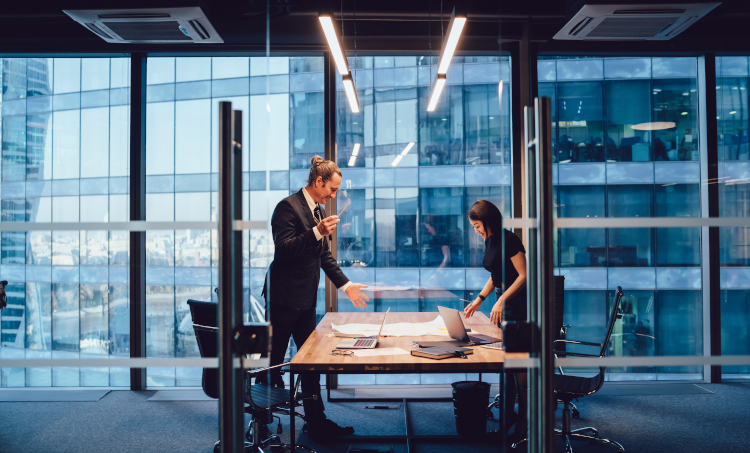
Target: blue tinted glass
{"points": [[627, 68], [312, 81], [581, 69]]}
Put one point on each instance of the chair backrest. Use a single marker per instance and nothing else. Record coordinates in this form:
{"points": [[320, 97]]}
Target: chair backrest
{"points": [[558, 302], [205, 315], [616, 314]]}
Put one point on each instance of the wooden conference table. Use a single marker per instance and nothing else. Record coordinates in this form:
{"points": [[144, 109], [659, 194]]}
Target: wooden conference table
{"points": [[315, 355]]}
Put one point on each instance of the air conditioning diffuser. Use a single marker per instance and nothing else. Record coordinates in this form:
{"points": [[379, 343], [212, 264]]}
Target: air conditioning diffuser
{"points": [[659, 22], [148, 26]]}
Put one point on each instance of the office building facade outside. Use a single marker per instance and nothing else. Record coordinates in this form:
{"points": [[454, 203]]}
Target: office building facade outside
{"points": [[405, 231]]}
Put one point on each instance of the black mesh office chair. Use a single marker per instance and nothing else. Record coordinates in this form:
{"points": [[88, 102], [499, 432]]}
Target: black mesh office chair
{"points": [[568, 388], [558, 301], [261, 400]]}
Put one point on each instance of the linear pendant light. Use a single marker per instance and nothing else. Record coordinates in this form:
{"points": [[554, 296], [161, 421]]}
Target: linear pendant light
{"points": [[455, 27], [337, 52], [437, 88], [403, 153], [355, 153], [351, 93]]}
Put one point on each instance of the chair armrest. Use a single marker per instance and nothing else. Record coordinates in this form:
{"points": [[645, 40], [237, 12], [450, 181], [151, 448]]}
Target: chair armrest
{"points": [[584, 343], [576, 354], [266, 369]]}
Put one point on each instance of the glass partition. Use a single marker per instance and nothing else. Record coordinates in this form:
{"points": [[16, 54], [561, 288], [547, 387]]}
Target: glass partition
{"points": [[406, 231], [625, 144], [65, 158], [734, 201], [282, 103]]}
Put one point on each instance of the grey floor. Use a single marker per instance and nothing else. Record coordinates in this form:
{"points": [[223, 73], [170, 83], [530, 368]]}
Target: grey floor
{"points": [[125, 421]]}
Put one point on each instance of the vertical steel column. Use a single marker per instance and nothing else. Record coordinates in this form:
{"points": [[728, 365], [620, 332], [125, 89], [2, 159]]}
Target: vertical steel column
{"points": [[537, 143], [545, 266], [137, 212], [520, 97], [709, 192], [231, 416], [329, 126], [532, 278]]}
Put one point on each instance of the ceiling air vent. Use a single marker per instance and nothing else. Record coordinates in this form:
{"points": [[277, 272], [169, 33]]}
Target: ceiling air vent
{"points": [[635, 22], [148, 26]]}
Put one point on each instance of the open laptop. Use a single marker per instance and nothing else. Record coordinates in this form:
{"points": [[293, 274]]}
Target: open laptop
{"points": [[456, 329], [363, 342]]}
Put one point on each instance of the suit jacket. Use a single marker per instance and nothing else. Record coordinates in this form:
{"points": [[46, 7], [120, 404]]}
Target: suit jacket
{"points": [[295, 271]]}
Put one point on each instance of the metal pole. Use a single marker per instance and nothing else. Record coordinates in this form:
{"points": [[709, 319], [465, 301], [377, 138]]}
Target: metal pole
{"points": [[231, 416], [529, 149], [329, 127], [137, 212], [545, 262], [709, 192]]}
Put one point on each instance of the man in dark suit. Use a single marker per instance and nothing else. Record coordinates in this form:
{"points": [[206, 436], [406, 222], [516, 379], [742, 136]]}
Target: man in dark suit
{"points": [[301, 238]]}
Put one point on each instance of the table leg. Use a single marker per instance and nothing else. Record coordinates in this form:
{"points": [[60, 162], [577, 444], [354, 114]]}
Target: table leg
{"points": [[406, 422], [292, 432]]}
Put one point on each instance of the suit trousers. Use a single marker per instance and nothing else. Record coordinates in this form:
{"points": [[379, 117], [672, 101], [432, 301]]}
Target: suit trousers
{"points": [[298, 324]]}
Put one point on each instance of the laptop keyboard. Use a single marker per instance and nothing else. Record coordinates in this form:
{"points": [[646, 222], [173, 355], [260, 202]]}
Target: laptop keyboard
{"points": [[364, 342]]}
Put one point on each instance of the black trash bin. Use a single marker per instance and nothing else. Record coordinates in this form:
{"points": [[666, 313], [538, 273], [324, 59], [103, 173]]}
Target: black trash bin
{"points": [[470, 400]]}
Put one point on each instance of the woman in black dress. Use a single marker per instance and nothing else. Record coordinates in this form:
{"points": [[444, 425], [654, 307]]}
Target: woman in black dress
{"points": [[510, 288]]}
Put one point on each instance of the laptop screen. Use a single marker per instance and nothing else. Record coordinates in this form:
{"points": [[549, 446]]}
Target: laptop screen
{"points": [[453, 323], [380, 332]]}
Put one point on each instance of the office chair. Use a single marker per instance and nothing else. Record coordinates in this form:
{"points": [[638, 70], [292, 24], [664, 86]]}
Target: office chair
{"points": [[260, 399], [558, 299], [568, 388]]}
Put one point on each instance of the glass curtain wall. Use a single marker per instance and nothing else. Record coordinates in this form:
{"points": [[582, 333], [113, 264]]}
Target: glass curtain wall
{"points": [[406, 230], [734, 201], [625, 144], [282, 103], [65, 158]]}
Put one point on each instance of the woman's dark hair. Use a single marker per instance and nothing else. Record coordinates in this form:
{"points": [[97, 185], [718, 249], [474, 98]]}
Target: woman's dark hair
{"points": [[323, 168], [488, 214]]}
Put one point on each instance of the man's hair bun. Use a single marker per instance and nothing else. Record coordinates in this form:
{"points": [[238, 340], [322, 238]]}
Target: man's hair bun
{"points": [[323, 168], [316, 160]]}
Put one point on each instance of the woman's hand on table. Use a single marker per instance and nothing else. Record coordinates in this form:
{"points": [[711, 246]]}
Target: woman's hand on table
{"points": [[471, 308], [497, 312]]}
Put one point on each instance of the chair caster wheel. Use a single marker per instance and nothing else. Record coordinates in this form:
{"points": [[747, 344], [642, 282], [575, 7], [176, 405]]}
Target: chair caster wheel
{"points": [[576, 414]]}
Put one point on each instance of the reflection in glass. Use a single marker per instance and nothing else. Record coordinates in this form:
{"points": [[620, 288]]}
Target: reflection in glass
{"points": [[53, 314]]}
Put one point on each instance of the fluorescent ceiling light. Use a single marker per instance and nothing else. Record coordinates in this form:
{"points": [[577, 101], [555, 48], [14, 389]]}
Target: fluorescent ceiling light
{"points": [[437, 88], [352, 160], [406, 150], [455, 26], [500, 95], [333, 43], [654, 126], [351, 93], [397, 160], [355, 151]]}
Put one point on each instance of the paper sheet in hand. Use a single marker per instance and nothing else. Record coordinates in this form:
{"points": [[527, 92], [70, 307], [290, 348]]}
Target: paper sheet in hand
{"points": [[379, 351]]}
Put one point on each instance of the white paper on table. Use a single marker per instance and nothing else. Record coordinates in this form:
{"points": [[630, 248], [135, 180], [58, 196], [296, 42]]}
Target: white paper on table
{"points": [[379, 351], [400, 329]]}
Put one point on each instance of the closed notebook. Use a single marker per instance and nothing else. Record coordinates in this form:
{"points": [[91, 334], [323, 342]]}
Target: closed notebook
{"points": [[440, 352]]}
